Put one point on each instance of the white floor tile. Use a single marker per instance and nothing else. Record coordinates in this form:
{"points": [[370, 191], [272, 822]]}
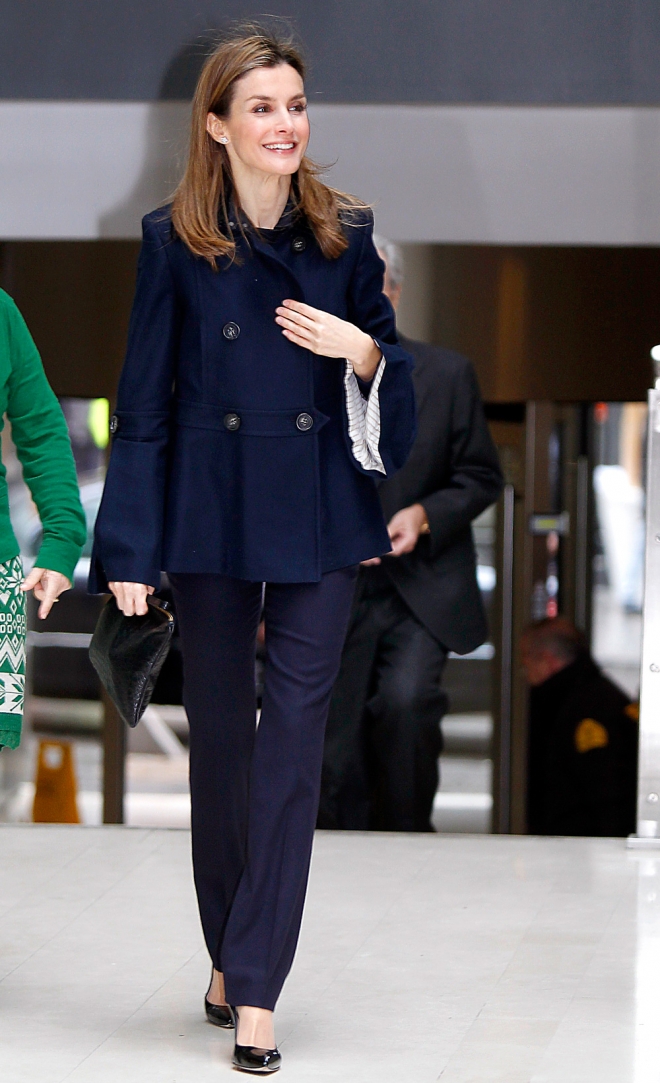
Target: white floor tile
{"points": [[504, 960]]}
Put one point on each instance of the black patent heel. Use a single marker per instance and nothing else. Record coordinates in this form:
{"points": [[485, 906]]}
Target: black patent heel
{"points": [[250, 1058], [221, 1015]]}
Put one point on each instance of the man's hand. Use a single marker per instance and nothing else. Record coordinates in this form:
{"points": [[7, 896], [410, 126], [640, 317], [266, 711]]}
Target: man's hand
{"points": [[404, 530]]}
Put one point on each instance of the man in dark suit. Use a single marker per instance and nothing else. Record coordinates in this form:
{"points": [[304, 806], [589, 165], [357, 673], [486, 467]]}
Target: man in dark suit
{"points": [[383, 735]]}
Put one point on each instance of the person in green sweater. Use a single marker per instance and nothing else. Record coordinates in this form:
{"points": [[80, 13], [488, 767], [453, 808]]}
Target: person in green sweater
{"points": [[42, 442]]}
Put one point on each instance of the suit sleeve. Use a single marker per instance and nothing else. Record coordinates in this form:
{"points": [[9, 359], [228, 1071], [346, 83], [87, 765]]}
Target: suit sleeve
{"points": [[475, 479], [389, 411], [129, 526]]}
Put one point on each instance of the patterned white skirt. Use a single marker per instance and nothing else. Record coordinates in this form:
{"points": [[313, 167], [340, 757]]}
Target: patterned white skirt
{"points": [[12, 652]]}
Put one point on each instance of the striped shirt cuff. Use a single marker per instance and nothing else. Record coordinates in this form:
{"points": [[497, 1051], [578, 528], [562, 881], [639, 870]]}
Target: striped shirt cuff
{"points": [[364, 419]]}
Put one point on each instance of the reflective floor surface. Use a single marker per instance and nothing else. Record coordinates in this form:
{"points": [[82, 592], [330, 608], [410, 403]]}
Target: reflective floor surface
{"points": [[462, 959]]}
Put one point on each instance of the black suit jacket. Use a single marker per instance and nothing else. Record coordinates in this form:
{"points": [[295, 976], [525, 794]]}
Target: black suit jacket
{"points": [[453, 470]]}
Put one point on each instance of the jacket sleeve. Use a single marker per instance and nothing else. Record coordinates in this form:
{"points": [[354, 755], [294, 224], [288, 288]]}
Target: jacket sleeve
{"points": [[129, 525], [475, 478], [42, 443], [393, 415]]}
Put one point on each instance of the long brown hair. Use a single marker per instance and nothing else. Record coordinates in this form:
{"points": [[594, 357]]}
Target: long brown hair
{"points": [[200, 201]]}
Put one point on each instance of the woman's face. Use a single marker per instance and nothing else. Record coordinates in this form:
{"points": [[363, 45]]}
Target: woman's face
{"points": [[267, 128]]}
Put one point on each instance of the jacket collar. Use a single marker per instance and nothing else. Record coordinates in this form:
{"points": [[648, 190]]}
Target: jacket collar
{"points": [[240, 223], [288, 218], [245, 234], [259, 244]]}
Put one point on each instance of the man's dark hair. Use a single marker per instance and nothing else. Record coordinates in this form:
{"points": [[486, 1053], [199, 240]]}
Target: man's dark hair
{"points": [[559, 636]]}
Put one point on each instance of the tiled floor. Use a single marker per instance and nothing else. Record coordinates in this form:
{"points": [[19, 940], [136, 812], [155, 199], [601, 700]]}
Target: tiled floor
{"points": [[460, 959]]}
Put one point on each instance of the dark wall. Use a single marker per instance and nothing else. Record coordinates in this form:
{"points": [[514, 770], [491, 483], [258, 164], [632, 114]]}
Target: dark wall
{"points": [[76, 299], [520, 51], [559, 323], [565, 324]]}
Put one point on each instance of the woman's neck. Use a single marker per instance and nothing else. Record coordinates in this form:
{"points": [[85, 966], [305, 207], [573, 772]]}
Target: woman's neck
{"points": [[262, 196]]}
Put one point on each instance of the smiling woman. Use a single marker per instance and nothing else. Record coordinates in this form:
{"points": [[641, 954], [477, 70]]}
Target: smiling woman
{"points": [[267, 128], [264, 391], [250, 127]]}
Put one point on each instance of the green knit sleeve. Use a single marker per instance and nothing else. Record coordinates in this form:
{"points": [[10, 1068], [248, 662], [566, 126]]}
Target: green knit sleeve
{"points": [[42, 442]]}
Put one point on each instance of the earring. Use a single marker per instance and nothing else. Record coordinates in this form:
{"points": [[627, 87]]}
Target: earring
{"points": [[223, 139]]}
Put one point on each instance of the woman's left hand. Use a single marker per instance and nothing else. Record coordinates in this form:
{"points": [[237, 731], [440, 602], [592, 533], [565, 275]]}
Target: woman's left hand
{"points": [[47, 587], [325, 334]]}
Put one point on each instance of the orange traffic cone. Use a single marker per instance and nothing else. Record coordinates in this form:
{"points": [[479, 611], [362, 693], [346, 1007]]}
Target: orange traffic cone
{"points": [[55, 790]]}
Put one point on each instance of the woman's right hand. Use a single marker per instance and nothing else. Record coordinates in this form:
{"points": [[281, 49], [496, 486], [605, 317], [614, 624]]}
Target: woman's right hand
{"points": [[131, 597]]}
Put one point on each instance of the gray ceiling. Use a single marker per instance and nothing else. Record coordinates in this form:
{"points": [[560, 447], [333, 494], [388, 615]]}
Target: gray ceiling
{"points": [[517, 51]]}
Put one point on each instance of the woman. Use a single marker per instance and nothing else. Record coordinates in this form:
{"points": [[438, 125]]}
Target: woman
{"points": [[263, 392], [40, 434]]}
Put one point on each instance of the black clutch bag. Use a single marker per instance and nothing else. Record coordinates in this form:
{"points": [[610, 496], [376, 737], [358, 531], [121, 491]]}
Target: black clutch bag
{"points": [[128, 654]]}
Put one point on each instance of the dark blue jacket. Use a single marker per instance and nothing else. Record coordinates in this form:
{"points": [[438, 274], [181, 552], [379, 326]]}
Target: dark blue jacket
{"points": [[210, 469]]}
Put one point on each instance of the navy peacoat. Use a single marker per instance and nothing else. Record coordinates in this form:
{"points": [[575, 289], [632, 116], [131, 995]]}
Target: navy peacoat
{"points": [[231, 451]]}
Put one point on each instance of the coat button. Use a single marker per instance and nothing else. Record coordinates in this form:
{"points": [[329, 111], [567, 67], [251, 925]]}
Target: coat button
{"points": [[299, 244], [232, 422], [231, 331], [304, 422], [114, 424]]}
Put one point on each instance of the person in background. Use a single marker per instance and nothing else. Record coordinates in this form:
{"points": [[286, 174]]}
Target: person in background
{"points": [[583, 738], [42, 442], [383, 737]]}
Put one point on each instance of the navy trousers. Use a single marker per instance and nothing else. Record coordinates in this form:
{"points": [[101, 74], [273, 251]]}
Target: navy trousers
{"points": [[255, 791]]}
